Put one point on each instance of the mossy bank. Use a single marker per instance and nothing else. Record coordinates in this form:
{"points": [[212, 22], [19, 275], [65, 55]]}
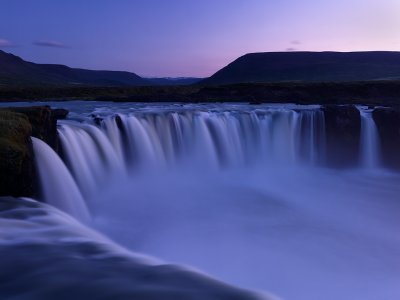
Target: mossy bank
{"points": [[17, 125]]}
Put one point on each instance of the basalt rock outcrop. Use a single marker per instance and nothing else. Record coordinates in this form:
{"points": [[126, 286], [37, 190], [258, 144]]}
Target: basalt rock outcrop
{"points": [[16, 168], [17, 125], [387, 121], [343, 128]]}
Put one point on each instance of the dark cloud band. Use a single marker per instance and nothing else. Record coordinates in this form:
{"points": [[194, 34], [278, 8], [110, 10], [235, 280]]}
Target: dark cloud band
{"points": [[54, 44], [6, 43]]}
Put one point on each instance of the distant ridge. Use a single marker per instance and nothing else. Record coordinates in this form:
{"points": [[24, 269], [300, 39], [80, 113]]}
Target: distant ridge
{"points": [[309, 67], [14, 71], [174, 80]]}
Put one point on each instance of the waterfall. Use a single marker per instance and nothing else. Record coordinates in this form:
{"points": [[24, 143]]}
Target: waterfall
{"points": [[209, 139], [369, 140], [224, 188], [57, 185], [90, 154]]}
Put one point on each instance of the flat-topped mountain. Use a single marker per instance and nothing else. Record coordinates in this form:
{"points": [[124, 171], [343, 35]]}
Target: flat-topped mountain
{"points": [[165, 81], [309, 66], [16, 71]]}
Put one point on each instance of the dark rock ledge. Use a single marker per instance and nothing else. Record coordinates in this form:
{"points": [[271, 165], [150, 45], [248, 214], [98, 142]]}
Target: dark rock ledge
{"points": [[342, 130], [17, 125], [387, 121]]}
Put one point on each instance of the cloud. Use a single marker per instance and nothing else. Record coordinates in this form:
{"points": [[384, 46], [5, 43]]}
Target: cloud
{"points": [[295, 42], [291, 49], [46, 43], [6, 43]]}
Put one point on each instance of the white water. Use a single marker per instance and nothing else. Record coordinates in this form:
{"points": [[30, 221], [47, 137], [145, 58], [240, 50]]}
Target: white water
{"points": [[47, 254], [201, 139], [297, 232], [241, 194], [58, 186], [90, 154], [370, 149]]}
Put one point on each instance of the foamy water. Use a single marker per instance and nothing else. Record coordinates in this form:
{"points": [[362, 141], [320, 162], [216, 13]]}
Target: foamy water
{"points": [[239, 192]]}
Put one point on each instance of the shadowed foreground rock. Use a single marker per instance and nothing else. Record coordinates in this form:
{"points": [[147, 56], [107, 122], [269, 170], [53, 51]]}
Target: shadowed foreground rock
{"points": [[17, 125]]}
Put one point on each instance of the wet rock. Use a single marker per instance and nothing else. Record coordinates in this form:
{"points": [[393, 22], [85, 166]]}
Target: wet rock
{"points": [[16, 167], [17, 125], [120, 123], [43, 121], [343, 128], [96, 119], [387, 121], [60, 113]]}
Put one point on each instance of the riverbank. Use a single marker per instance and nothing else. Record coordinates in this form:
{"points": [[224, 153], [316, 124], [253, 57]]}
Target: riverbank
{"points": [[17, 125], [366, 92]]}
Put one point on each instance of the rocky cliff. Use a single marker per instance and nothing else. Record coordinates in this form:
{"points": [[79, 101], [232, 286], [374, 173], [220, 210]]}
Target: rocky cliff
{"points": [[17, 125], [387, 121], [342, 129]]}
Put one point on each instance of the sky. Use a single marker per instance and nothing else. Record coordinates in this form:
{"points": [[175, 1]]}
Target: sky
{"points": [[181, 38]]}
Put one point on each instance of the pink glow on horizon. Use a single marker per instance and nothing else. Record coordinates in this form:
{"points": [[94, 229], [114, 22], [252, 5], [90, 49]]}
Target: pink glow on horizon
{"points": [[192, 38]]}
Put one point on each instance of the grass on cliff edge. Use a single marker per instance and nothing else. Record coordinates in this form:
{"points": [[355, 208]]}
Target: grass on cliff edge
{"points": [[15, 131]]}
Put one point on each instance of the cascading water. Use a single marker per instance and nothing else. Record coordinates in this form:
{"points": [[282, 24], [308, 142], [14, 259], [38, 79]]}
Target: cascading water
{"points": [[90, 154], [241, 192], [209, 139], [369, 140], [58, 186]]}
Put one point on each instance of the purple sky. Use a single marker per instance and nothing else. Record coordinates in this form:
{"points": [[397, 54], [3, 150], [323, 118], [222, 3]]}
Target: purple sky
{"points": [[189, 37]]}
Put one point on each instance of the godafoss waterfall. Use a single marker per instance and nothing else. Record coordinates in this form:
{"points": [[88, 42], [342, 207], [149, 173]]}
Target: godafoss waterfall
{"points": [[207, 201]]}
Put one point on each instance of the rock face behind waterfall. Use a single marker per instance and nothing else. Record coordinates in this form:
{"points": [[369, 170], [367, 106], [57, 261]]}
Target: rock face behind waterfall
{"points": [[17, 125], [387, 121], [343, 127]]}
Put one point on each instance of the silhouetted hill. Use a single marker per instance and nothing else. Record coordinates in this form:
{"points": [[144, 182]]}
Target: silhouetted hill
{"points": [[174, 80], [309, 66], [15, 71]]}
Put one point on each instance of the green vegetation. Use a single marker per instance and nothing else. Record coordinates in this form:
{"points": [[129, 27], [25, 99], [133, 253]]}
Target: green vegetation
{"points": [[15, 131], [143, 93], [17, 125], [367, 92]]}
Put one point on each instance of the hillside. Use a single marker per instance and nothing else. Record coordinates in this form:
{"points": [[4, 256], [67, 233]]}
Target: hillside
{"points": [[382, 92], [165, 81], [15, 71], [309, 67]]}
